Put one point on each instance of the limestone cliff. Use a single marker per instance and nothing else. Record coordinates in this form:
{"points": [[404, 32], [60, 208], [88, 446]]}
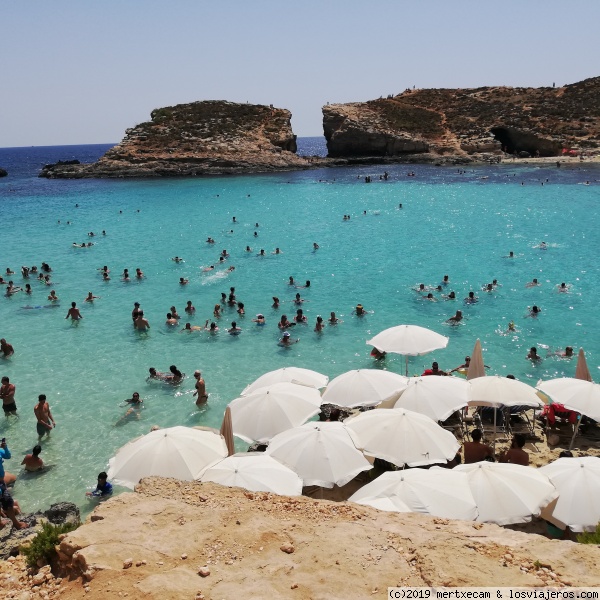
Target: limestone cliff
{"points": [[200, 138], [173, 540], [462, 122]]}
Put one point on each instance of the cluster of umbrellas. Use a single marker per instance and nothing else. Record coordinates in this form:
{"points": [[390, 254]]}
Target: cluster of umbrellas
{"points": [[277, 408]]}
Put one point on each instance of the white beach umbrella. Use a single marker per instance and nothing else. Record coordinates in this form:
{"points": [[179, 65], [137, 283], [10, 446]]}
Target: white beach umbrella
{"points": [[435, 491], [288, 375], [506, 493], [364, 387], [476, 365], [436, 397], [495, 390], [577, 481], [408, 340], [179, 452], [575, 394], [255, 471], [321, 454], [268, 411], [402, 437]]}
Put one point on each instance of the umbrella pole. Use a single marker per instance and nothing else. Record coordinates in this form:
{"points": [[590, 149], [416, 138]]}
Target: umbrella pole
{"points": [[494, 441], [575, 434], [406, 357]]}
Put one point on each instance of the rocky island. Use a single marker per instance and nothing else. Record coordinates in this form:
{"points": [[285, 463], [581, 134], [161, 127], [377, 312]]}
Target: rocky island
{"points": [[426, 125], [200, 138], [478, 124]]}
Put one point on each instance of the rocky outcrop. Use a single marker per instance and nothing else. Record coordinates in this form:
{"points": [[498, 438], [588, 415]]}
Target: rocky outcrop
{"points": [[201, 138], [469, 122], [172, 540], [3, 172], [57, 514]]}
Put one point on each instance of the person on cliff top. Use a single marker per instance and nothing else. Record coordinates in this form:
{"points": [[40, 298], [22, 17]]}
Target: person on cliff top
{"points": [[103, 488]]}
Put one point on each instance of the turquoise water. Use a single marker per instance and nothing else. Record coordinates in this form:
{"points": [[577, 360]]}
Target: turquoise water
{"points": [[450, 223]]}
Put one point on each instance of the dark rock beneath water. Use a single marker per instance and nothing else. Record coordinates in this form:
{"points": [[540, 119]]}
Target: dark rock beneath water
{"points": [[3, 172]]}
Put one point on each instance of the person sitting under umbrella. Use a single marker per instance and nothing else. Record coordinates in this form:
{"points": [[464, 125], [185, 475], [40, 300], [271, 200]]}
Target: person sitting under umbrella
{"points": [[515, 454], [475, 451]]}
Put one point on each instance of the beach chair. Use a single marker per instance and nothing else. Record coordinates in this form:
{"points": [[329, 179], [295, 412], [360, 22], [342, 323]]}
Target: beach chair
{"points": [[455, 423]]}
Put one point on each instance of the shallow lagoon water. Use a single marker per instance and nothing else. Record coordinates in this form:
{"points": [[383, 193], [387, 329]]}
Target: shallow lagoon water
{"points": [[451, 223]]}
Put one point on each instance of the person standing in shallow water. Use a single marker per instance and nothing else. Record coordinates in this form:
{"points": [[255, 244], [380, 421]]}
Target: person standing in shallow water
{"points": [[45, 420], [7, 393], [200, 393]]}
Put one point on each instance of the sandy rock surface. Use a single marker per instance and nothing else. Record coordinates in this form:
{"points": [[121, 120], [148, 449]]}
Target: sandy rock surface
{"points": [[237, 544]]}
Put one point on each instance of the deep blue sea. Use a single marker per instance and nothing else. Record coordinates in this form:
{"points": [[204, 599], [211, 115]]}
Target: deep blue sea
{"points": [[462, 224]]}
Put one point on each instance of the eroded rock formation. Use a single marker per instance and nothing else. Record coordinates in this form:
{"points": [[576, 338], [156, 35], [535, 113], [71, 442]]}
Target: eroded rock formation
{"points": [[201, 138], [469, 122]]}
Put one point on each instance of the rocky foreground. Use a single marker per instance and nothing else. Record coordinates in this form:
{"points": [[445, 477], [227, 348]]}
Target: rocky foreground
{"points": [[200, 138], [176, 540]]}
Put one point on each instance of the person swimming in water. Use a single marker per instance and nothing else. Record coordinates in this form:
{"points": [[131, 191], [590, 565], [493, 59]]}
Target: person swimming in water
{"points": [[450, 296], [286, 339], [284, 323], [456, 319], [533, 283], [471, 298], [563, 288], [534, 311], [333, 320]]}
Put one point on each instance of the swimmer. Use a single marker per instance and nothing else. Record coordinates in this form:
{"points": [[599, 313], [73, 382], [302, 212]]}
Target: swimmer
{"points": [[176, 376], [190, 327], [464, 366], [206, 269], [74, 313], [378, 354], [533, 283], [533, 355], [27, 288], [173, 311], [542, 246], [6, 349], [12, 289], [261, 253], [298, 299], [141, 323], [315, 246], [234, 329], [291, 281], [534, 311], [212, 329], [319, 324], [457, 318], [511, 327], [260, 319], [139, 274], [446, 280], [420, 288], [568, 353], [229, 269], [300, 317], [277, 251], [125, 276], [183, 281], [89, 298], [248, 249], [189, 308], [170, 320], [429, 297], [563, 288], [286, 340], [306, 285], [210, 240], [154, 374], [217, 311], [9, 271], [275, 302], [284, 323], [177, 259], [450, 296], [333, 320], [135, 404], [240, 308], [359, 311], [511, 254], [224, 253], [105, 276], [471, 298], [488, 287], [104, 269], [256, 234]]}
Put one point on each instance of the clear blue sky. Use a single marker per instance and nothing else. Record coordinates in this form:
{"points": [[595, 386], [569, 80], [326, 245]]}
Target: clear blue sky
{"points": [[82, 72]]}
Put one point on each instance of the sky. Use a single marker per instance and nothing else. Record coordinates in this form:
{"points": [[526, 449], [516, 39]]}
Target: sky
{"points": [[83, 72]]}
